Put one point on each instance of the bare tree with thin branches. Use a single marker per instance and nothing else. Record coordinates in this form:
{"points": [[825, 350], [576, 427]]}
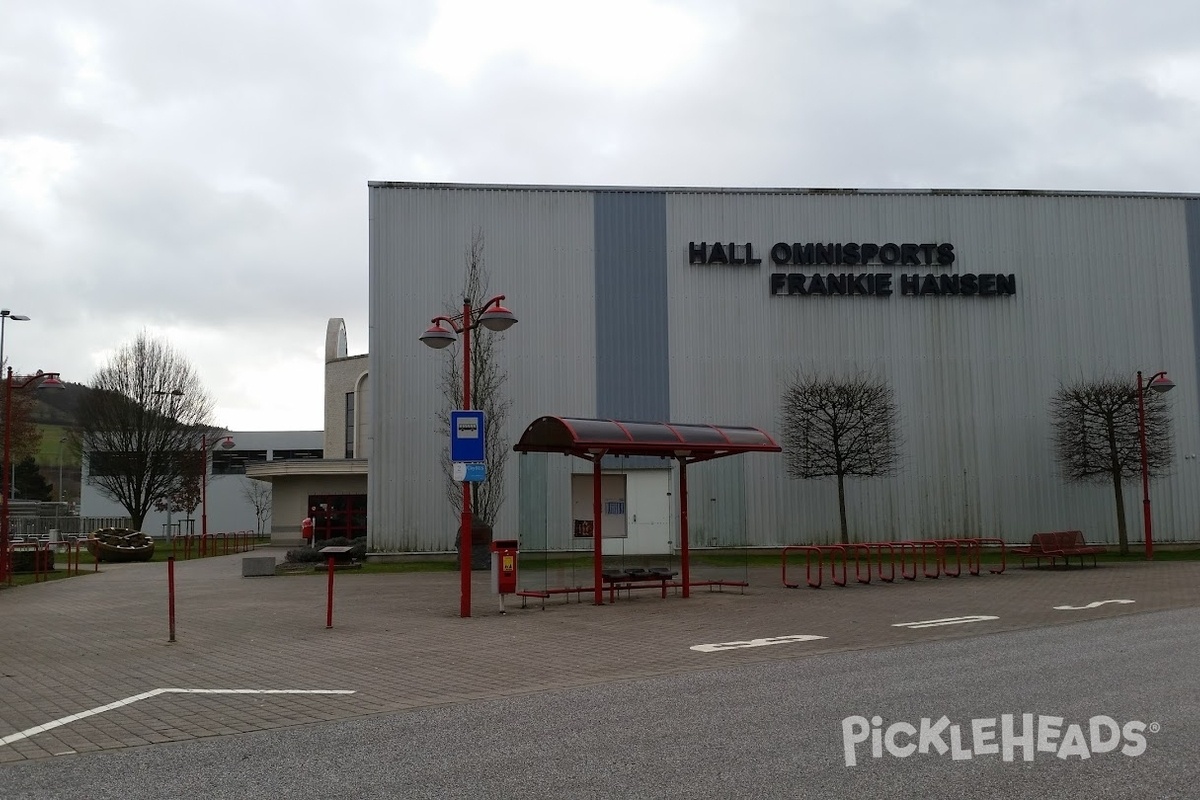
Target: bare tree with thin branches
{"points": [[1096, 436], [487, 394], [838, 428], [258, 495], [141, 425]]}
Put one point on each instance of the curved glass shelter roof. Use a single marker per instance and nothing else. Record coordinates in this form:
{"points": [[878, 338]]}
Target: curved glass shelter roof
{"points": [[589, 438]]}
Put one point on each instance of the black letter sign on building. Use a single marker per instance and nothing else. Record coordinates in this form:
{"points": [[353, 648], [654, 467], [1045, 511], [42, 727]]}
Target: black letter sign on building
{"points": [[827, 283]]}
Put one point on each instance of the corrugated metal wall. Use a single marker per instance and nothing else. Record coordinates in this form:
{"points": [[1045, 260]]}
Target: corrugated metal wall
{"points": [[538, 249], [1104, 286]]}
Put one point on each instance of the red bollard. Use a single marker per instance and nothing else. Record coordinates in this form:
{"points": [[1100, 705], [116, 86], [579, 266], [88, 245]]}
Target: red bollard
{"points": [[329, 602], [171, 595]]}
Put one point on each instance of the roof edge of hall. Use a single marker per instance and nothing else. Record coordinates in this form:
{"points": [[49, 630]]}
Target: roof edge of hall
{"points": [[816, 191]]}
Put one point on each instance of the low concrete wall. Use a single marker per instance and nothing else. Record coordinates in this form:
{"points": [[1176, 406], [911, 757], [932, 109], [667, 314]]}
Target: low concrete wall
{"points": [[258, 566]]}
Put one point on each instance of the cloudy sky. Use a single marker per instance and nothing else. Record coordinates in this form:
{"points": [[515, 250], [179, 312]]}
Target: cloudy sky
{"points": [[200, 169]]}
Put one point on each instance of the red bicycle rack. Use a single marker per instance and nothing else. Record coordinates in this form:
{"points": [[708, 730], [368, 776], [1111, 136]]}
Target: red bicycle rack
{"points": [[909, 553], [807, 563], [925, 545], [911, 548], [855, 548], [838, 549], [879, 546], [942, 545], [1003, 554]]}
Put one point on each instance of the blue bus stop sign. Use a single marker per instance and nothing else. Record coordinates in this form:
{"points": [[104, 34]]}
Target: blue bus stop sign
{"points": [[467, 436]]}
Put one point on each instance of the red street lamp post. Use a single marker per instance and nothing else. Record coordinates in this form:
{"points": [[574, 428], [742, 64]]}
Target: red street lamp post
{"points": [[45, 380], [1160, 383], [226, 443], [495, 317]]}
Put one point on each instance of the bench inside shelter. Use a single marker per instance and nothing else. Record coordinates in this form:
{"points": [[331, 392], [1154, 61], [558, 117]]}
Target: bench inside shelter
{"points": [[1056, 545], [636, 578]]}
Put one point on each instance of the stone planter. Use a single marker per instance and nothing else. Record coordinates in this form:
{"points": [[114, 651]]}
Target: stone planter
{"points": [[481, 547]]}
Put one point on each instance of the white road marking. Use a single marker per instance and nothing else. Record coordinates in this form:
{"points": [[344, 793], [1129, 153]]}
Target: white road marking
{"points": [[714, 648], [1096, 604], [91, 712], [936, 623]]}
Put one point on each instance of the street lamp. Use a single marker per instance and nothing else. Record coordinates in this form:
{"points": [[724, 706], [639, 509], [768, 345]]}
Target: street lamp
{"points": [[1160, 383], [174, 394], [495, 317], [43, 380], [225, 443], [5, 316], [61, 494]]}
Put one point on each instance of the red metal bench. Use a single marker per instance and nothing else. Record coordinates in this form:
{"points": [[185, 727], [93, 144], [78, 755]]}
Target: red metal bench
{"points": [[630, 579], [1056, 545]]}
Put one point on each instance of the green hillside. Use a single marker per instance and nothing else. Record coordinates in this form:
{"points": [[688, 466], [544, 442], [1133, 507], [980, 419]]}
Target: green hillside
{"points": [[48, 454]]}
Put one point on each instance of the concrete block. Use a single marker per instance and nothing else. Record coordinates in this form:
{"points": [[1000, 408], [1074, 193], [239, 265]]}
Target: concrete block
{"points": [[258, 566]]}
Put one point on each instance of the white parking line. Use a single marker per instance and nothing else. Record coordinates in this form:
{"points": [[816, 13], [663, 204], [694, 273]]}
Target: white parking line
{"points": [[937, 623], [1096, 604], [789, 639], [91, 712]]}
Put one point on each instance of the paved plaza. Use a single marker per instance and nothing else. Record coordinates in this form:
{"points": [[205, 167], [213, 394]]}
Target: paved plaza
{"points": [[78, 645]]}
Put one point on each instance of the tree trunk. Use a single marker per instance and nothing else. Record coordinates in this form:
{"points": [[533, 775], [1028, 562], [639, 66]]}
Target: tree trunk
{"points": [[1115, 469], [842, 507], [1122, 532]]}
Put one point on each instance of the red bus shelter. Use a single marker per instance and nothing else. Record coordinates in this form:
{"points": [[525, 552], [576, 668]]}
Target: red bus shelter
{"points": [[593, 439]]}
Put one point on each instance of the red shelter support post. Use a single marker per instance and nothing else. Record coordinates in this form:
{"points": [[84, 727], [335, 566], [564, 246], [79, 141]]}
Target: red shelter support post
{"points": [[597, 548], [329, 601], [685, 566], [171, 596]]}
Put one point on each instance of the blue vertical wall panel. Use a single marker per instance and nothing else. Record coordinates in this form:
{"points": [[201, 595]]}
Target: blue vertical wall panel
{"points": [[632, 375], [1191, 211]]}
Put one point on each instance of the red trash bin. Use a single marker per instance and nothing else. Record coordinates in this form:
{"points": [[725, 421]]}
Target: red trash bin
{"points": [[504, 568]]}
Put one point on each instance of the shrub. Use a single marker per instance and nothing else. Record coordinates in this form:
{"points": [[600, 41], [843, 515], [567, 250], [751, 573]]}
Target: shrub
{"points": [[312, 555], [24, 560]]}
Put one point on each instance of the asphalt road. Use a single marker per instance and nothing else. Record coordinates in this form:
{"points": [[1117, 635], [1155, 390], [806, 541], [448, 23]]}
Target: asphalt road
{"points": [[765, 730]]}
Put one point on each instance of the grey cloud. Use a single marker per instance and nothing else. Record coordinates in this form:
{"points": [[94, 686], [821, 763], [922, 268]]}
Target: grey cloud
{"points": [[222, 151]]}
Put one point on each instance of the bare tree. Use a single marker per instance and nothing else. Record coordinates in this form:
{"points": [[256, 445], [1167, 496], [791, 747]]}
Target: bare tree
{"points": [[25, 436], [1096, 436], [141, 425], [487, 395], [258, 495], [838, 427]]}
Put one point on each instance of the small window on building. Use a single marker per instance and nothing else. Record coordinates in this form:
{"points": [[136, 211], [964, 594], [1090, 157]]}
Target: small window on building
{"points": [[296, 454], [233, 462], [349, 424]]}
